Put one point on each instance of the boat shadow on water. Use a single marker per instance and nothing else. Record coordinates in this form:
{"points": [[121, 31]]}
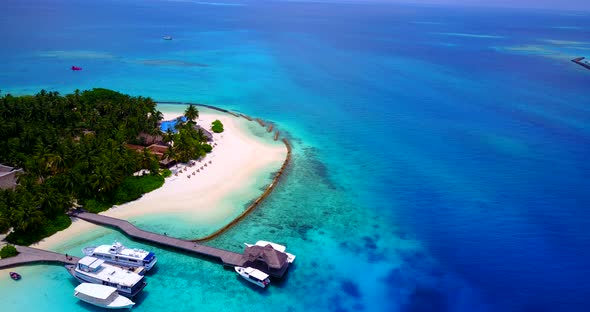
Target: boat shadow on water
{"points": [[140, 298], [283, 281], [153, 271]]}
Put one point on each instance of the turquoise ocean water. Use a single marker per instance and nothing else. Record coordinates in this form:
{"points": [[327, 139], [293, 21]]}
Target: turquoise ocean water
{"points": [[440, 154]]}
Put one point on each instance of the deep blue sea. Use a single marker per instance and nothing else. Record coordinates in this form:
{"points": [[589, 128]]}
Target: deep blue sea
{"points": [[441, 156]]}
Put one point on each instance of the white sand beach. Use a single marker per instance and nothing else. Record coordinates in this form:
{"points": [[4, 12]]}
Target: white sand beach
{"points": [[242, 151]]}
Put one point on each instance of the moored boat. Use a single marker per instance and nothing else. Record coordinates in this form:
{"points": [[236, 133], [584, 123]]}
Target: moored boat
{"points": [[120, 255], [15, 276], [253, 276], [275, 246], [102, 296], [96, 271]]}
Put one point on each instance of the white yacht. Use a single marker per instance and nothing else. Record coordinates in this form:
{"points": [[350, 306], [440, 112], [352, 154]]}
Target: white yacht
{"points": [[122, 256], [95, 271], [102, 296], [277, 247], [253, 276]]}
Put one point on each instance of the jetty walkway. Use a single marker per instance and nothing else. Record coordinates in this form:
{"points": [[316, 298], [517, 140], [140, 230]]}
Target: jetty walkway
{"points": [[267, 260], [226, 257], [28, 255]]}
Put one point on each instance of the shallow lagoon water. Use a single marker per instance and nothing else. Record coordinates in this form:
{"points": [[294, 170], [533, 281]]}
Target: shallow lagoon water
{"points": [[449, 170]]}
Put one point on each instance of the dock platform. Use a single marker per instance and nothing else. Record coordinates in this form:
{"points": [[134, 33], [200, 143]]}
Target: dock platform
{"points": [[270, 262], [28, 255], [228, 258], [273, 266]]}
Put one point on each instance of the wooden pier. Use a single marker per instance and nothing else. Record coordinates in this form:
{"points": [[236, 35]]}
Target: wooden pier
{"points": [[274, 267], [27, 255], [226, 257]]}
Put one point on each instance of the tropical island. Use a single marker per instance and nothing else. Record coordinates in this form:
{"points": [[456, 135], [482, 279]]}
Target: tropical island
{"points": [[93, 149]]}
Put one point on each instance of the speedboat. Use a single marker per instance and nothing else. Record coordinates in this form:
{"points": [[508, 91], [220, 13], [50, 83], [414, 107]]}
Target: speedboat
{"points": [[253, 276], [167, 37], [123, 256], [95, 271], [76, 68], [277, 247], [15, 276], [102, 296]]}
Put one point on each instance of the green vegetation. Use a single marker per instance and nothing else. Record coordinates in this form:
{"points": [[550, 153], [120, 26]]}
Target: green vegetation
{"points": [[46, 228], [131, 189], [189, 140], [217, 126], [166, 173], [8, 251], [72, 149]]}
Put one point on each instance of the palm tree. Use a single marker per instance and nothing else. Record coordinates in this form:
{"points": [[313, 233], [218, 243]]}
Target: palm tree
{"points": [[168, 136], [170, 153], [26, 215], [191, 113], [51, 201], [147, 159], [103, 179]]}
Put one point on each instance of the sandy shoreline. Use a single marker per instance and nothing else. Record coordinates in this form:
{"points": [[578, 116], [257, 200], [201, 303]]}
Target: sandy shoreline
{"points": [[236, 161]]}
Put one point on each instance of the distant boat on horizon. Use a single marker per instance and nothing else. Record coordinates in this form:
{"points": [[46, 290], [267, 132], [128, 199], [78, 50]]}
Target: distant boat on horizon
{"points": [[167, 37], [582, 61]]}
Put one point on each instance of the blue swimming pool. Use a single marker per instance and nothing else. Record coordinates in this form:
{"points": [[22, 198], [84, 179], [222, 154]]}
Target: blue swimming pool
{"points": [[170, 124]]}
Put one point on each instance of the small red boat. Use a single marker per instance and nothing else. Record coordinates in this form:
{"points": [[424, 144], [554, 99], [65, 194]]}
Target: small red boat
{"points": [[15, 276], [76, 68]]}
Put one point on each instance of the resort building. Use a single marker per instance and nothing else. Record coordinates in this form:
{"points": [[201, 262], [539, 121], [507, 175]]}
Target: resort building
{"points": [[156, 149], [8, 177]]}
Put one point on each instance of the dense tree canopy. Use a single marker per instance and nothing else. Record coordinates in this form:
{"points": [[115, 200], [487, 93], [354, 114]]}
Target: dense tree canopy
{"points": [[72, 148], [189, 141]]}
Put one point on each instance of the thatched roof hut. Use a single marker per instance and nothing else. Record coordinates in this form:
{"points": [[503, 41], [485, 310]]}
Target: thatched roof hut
{"points": [[150, 139], [274, 260]]}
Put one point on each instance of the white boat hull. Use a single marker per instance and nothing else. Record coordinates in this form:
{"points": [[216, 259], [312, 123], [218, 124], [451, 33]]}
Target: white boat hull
{"points": [[119, 303], [246, 276], [102, 296]]}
